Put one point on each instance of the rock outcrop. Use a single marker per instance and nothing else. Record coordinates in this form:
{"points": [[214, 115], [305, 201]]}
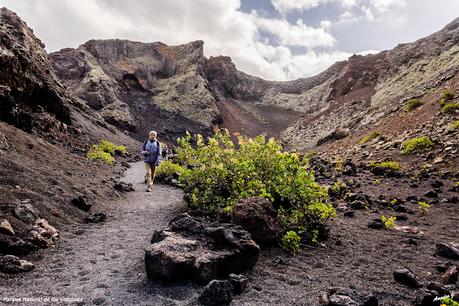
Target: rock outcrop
{"points": [[190, 249]]}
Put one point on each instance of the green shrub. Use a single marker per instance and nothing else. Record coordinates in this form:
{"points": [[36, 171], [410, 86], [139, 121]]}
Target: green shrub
{"points": [[417, 145], [168, 169], [369, 137], [113, 149], [377, 182], [219, 175], [393, 165], [339, 189], [448, 301], [96, 153], [412, 104], [447, 94], [423, 207], [388, 222], [105, 151], [291, 241], [450, 108], [453, 125]]}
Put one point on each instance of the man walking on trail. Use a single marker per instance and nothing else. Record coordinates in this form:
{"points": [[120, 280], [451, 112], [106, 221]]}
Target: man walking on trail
{"points": [[151, 151]]}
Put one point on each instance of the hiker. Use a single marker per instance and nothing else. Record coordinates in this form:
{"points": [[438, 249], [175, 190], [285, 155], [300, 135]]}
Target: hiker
{"points": [[151, 150]]}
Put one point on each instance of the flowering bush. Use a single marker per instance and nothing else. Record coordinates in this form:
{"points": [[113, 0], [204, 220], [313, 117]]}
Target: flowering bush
{"points": [[219, 174]]}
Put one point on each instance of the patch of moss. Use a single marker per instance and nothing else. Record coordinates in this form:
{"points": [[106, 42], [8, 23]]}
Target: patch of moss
{"points": [[453, 125], [393, 165], [412, 104], [450, 108], [417, 145], [369, 137]]}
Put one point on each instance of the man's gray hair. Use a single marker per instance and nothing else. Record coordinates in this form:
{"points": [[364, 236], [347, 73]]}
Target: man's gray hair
{"points": [[153, 133]]}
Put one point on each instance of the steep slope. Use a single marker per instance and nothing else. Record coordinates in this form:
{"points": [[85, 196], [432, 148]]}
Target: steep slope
{"points": [[44, 135], [139, 86]]}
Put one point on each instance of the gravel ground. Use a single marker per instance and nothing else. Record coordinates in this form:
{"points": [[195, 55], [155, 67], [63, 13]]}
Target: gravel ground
{"points": [[102, 264]]}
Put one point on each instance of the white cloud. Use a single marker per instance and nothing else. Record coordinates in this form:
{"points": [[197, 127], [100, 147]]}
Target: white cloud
{"points": [[219, 23], [285, 6]]}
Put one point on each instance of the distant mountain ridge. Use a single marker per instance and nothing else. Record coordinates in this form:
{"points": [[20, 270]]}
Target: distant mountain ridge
{"points": [[138, 86]]}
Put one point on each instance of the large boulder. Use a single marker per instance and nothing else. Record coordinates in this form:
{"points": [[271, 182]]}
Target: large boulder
{"points": [[258, 217], [190, 249]]}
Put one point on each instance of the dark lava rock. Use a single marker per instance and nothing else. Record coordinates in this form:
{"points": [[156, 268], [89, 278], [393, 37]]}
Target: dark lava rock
{"points": [[436, 184], [406, 277], [81, 203], [11, 264], [124, 187], [349, 168], [25, 212], [401, 217], [450, 276], [441, 290], [444, 266], [447, 250], [217, 292], [239, 283], [426, 298], [258, 217], [431, 194], [376, 224], [351, 297], [358, 204], [15, 246], [190, 249], [362, 197], [95, 218], [349, 214]]}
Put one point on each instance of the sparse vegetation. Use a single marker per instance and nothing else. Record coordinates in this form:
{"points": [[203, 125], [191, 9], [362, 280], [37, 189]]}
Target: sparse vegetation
{"points": [[450, 108], [168, 169], [453, 125], [412, 104], [447, 94], [105, 151], [388, 222], [291, 241], [218, 175], [377, 182], [448, 301], [369, 137], [393, 165], [339, 189], [423, 207], [417, 145]]}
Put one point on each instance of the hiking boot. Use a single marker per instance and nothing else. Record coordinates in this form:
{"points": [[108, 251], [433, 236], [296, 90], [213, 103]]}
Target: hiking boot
{"points": [[149, 189]]}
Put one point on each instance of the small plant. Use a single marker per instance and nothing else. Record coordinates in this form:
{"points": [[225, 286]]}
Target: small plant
{"points": [[394, 201], [423, 207], [453, 125], [113, 149], [450, 108], [447, 94], [105, 151], [369, 137], [388, 222], [168, 169], [291, 241], [412, 104], [448, 301], [377, 182], [417, 145], [339, 189], [393, 165], [339, 165], [95, 153]]}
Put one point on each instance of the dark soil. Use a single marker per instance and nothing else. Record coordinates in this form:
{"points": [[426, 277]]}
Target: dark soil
{"points": [[102, 264]]}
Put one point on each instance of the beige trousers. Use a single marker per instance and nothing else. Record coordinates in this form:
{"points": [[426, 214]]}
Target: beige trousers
{"points": [[150, 175]]}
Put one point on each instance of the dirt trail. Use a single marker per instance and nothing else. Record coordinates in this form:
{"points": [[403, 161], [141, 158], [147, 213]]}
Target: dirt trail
{"points": [[102, 264]]}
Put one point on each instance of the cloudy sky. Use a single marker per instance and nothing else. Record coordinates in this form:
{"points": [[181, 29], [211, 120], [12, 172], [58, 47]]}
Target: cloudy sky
{"points": [[273, 39]]}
